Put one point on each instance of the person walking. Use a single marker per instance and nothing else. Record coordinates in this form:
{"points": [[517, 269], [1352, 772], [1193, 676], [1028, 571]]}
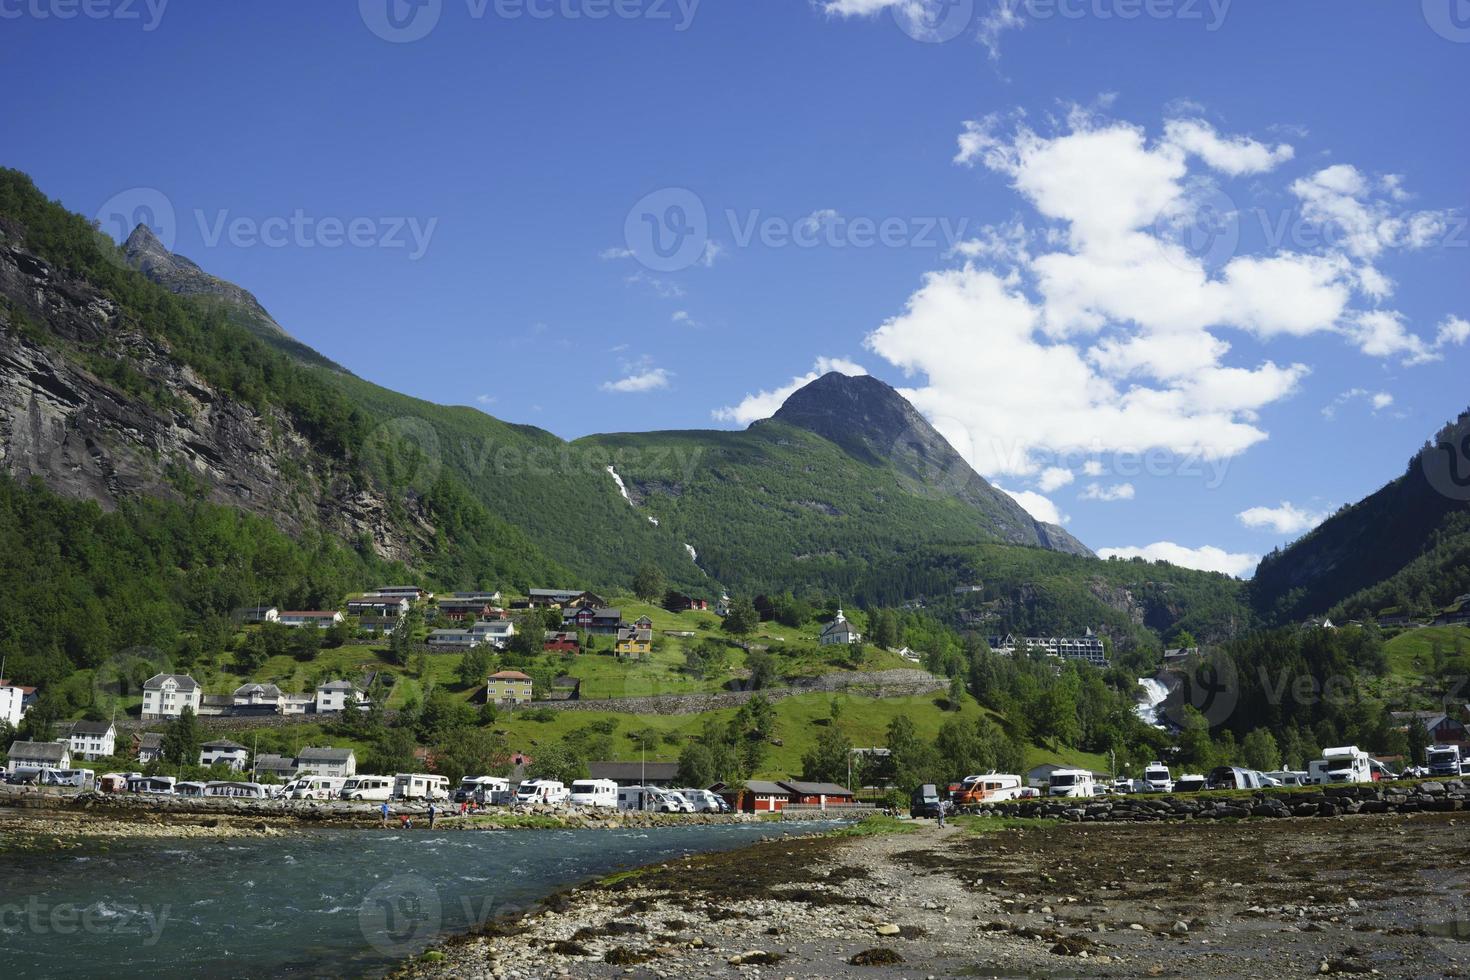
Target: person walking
{"points": [[942, 808]]}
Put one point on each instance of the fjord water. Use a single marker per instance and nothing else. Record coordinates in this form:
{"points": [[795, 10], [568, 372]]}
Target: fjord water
{"points": [[322, 903]]}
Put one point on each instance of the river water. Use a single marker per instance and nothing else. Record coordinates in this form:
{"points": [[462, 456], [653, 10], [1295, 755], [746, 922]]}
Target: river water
{"points": [[323, 903]]}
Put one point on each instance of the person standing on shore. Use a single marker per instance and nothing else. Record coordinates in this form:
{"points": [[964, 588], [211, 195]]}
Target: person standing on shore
{"points": [[433, 813], [941, 814], [383, 811]]}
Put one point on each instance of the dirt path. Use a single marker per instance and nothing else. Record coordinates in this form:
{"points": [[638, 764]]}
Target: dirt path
{"points": [[1259, 898]]}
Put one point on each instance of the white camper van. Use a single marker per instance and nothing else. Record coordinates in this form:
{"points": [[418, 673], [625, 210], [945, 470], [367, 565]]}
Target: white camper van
{"points": [[595, 792], [420, 786], [1156, 778], [375, 788], [548, 792], [1345, 764], [1072, 782], [317, 788], [1443, 760], [483, 790]]}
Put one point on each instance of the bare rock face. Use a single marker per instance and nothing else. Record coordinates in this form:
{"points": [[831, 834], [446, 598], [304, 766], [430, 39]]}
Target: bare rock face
{"points": [[179, 275], [65, 419]]}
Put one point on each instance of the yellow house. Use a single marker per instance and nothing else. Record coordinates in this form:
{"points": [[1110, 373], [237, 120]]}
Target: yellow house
{"points": [[634, 642], [508, 685]]}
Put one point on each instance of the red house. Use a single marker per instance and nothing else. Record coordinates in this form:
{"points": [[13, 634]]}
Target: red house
{"points": [[755, 796], [561, 643], [819, 794], [679, 602], [465, 609]]}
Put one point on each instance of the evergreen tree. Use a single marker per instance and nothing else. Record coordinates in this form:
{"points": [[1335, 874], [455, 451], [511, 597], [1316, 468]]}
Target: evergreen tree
{"points": [[181, 739], [648, 583], [742, 620]]}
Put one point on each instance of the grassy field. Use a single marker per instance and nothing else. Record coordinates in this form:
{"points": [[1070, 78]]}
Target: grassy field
{"points": [[1411, 653]]}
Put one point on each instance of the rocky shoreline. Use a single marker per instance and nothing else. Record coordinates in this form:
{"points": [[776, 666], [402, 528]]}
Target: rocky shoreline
{"points": [[987, 897]]}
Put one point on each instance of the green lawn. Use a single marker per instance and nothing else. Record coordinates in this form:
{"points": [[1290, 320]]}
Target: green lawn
{"points": [[1411, 653]]}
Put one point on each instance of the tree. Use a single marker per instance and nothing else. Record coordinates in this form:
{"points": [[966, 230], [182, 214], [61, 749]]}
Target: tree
{"points": [[401, 643], [826, 761], [648, 583], [1419, 740], [530, 635], [181, 740], [707, 659], [392, 752], [762, 667], [1261, 751], [306, 643], [559, 762], [956, 692], [913, 760], [471, 752], [474, 667], [742, 619], [884, 629]]}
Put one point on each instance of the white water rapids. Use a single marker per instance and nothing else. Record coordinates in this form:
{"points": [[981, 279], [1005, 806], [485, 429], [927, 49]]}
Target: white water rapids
{"points": [[1154, 695]]}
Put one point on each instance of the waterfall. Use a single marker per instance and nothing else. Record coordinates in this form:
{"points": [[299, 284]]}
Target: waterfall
{"points": [[1154, 693]]}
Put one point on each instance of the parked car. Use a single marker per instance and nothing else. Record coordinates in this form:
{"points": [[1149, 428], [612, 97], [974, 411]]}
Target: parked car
{"points": [[927, 801]]}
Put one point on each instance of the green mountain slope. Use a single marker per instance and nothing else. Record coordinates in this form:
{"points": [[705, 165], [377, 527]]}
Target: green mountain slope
{"points": [[1405, 547]]}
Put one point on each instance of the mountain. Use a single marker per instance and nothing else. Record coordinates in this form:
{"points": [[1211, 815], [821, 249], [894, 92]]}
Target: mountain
{"points": [[182, 277], [1404, 549], [877, 425]]}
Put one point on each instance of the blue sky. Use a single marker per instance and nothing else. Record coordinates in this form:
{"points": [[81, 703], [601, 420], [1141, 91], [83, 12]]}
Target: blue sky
{"points": [[1152, 266]]}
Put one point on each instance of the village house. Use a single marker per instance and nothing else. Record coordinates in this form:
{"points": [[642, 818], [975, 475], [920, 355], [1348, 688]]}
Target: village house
{"points": [[148, 747], [384, 625], [259, 614], [577, 617], [453, 640], [275, 766], [677, 602], [496, 632], [410, 592], [606, 622], [333, 697], [839, 632], [167, 695], [755, 796], [232, 754], [458, 610], [491, 597], [643, 623], [819, 794], [39, 755], [14, 702], [564, 642], [635, 773], [386, 607], [1443, 729], [326, 762], [1088, 648], [508, 686], [634, 644], [90, 740], [257, 695], [321, 619]]}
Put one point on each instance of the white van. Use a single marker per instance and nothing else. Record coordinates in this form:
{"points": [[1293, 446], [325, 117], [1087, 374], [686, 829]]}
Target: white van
{"points": [[638, 798], [1289, 777], [993, 787], [482, 789], [1345, 764], [548, 792], [594, 792], [703, 800], [678, 802], [420, 786], [318, 788], [376, 788], [77, 778], [237, 791], [1072, 782], [1156, 778]]}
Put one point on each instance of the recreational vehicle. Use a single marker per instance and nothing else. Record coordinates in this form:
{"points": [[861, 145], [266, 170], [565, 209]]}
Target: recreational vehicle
{"points": [[375, 788], [420, 786], [1072, 782], [595, 792]]}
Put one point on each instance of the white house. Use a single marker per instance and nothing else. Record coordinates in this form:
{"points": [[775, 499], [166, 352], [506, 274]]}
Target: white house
{"points": [[260, 614], [453, 640], [839, 631], [334, 697], [166, 695], [495, 631], [278, 766], [321, 620], [39, 755], [297, 704], [232, 754], [257, 695], [326, 762], [150, 747], [12, 702], [91, 740]]}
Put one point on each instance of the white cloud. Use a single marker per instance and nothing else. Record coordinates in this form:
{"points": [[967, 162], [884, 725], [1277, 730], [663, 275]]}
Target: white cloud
{"points": [[1378, 399], [665, 288], [683, 316], [1207, 558], [712, 251], [648, 379], [610, 254], [763, 404], [1096, 491], [1040, 507], [1285, 519], [1341, 199], [486, 399], [1054, 478], [1453, 330], [1093, 468], [1235, 155]]}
